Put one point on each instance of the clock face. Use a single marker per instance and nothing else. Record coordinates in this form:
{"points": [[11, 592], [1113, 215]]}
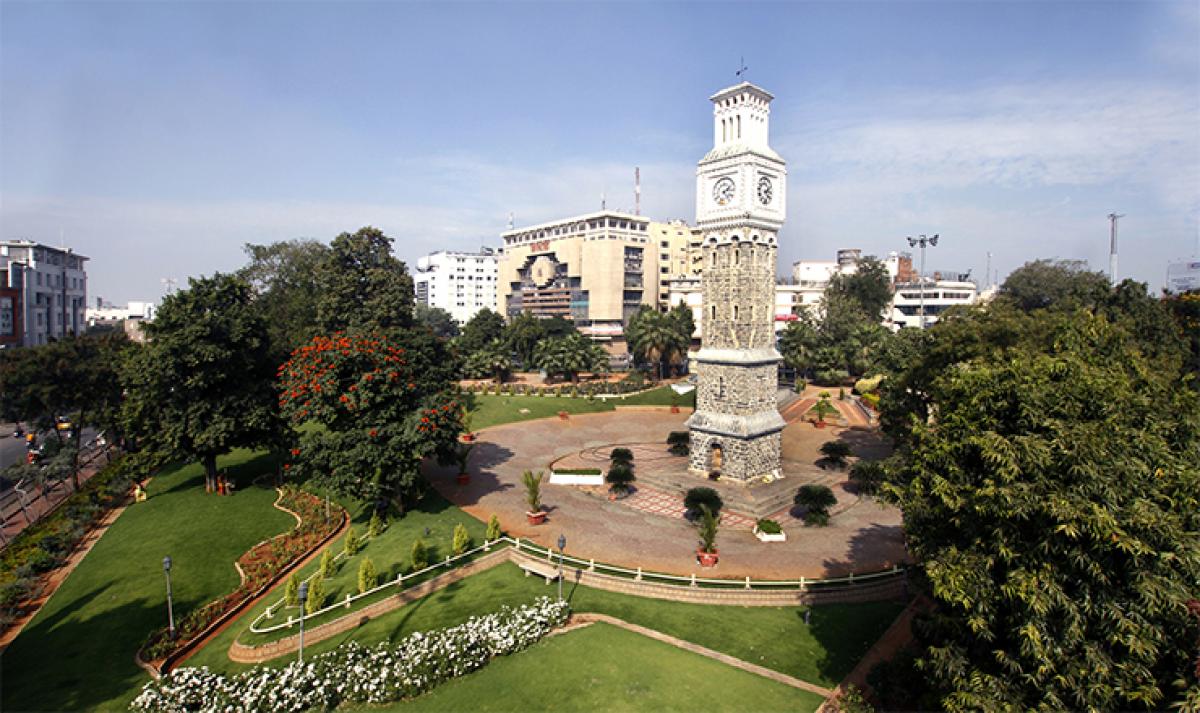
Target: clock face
{"points": [[723, 191], [765, 190]]}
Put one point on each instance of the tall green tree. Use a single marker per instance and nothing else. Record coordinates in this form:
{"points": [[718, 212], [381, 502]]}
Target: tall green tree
{"points": [[203, 383], [869, 287], [362, 285], [659, 336], [436, 320], [284, 278], [74, 378], [1053, 506], [569, 355], [522, 336], [490, 361], [1059, 283], [480, 331]]}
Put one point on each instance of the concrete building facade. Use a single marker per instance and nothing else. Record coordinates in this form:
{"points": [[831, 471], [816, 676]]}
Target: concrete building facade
{"points": [[595, 269], [462, 283], [935, 294], [740, 206], [45, 293]]}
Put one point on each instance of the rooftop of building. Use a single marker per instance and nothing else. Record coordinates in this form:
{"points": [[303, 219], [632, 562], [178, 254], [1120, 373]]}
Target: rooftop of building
{"points": [[575, 219], [34, 244]]}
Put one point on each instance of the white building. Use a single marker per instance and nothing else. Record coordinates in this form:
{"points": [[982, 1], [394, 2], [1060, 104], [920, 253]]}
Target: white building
{"points": [[933, 296], [107, 313], [45, 292], [1183, 276], [461, 283]]}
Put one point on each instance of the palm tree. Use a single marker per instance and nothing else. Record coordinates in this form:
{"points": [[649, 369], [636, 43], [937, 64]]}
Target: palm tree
{"points": [[658, 334], [569, 355]]}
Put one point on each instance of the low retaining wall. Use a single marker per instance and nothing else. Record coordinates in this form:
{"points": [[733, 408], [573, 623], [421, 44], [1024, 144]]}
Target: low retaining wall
{"points": [[868, 591]]}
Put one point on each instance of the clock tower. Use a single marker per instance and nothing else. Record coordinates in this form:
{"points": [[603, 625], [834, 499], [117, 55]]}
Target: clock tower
{"points": [[741, 192]]}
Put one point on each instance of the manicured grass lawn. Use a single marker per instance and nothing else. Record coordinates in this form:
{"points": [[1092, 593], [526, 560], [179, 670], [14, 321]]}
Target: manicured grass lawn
{"points": [[822, 652], [493, 410], [78, 652], [604, 668]]}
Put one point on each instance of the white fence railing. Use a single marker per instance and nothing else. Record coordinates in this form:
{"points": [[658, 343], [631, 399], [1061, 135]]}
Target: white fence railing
{"points": [[803, 584]]}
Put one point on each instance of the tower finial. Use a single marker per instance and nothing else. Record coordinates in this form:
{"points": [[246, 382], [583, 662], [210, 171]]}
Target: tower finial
{"points": [[741, 73]]}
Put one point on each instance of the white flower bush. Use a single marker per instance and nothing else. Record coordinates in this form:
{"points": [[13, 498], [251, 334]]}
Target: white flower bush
{"points": [[357, 674]]}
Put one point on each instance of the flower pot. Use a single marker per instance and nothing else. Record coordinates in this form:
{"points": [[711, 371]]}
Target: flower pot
{"points": [[674, 409], [769, 536], [467, 437], [706, 559], [563, 415], [819, 424], [535, 518], [462, 478]]}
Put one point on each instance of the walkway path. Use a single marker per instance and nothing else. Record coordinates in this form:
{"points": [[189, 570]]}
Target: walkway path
{"points": [[864, 537]]}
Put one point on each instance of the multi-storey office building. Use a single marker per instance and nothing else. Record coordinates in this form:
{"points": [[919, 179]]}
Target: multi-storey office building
{"points": [[462, 283], [596, 269], [44, 293]]}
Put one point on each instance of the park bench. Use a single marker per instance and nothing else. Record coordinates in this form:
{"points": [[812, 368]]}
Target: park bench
{"points": [[541, 569]]}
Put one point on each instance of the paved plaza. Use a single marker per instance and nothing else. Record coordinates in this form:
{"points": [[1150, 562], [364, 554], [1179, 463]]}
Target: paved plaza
{"points": [[648, 529]]}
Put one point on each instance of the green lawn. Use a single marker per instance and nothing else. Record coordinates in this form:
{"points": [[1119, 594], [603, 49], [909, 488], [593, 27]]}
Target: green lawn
{"points": [[604, 668], [493, 410], [78, 652], [822, 652]]}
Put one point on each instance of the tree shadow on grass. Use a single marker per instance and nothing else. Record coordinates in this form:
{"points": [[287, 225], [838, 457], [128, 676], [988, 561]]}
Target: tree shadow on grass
{"points": [[242, 474], [62, 663]]}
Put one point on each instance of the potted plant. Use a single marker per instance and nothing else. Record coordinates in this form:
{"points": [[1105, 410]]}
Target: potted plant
{"points": [[533, 496], [461, 455], [706, 553], [468, 435], [769, 531], [822, 409], [674, 402], [698, 499]]}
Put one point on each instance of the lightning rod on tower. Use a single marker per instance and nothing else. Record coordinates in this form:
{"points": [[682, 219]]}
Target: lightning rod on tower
{"points": [[1112, 247], [637, 190]]}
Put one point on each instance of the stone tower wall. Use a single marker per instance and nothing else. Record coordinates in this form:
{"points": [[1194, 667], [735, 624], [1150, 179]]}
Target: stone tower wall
{"points": [[739, 291], [742, 459]]}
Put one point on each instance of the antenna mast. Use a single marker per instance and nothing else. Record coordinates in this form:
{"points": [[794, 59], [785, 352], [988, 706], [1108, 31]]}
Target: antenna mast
{"points": [[1112, 246], [637, 190]]}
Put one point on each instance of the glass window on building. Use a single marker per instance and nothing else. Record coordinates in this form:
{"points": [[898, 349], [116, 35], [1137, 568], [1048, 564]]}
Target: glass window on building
{"points": [[6, 317]]}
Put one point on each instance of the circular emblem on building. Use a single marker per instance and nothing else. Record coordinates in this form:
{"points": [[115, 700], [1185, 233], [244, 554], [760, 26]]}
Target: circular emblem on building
{"points": [[764, 190], [723, 191], [542, 271]]}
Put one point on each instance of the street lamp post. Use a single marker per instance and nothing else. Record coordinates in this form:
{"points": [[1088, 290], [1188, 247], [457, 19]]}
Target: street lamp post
{"points": [[922, 242], [303, 596], [170, 605], [562, 545]]}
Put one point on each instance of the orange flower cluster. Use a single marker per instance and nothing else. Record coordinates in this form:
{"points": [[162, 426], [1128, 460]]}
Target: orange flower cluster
{"points": [[317, 368]]}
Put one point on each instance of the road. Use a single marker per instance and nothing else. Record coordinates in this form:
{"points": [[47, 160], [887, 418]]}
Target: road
{"points": [[12, 450]]}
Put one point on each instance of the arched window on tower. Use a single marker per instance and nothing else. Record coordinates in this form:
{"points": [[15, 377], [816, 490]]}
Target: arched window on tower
{"points": [[713, 312], [720, 387], [739, 126], [735, 313], [737, 254]]}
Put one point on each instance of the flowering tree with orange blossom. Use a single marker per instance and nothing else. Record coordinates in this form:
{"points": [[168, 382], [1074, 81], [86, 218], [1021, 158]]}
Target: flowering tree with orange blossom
{"points": [[384, 404]]}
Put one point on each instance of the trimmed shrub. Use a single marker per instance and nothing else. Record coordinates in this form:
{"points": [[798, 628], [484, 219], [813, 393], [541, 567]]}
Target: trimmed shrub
{"points": [[621, 455], [328, 566], [620, 477], [316, 595], [831, 377], [769, 526], [868, 386], [419, 555], [461, 541], [291, 593], [836, 452], [707, 528], [368, 578], [871, 400], [697, 498], [493, 529], [351, 545], [679, 442], [578, 471], [868, 475], [816, 499], [376, 526], [533, 489]]}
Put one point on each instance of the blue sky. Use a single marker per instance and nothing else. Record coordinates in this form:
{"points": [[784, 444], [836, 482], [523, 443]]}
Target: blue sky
{"points": [[157, 138]]}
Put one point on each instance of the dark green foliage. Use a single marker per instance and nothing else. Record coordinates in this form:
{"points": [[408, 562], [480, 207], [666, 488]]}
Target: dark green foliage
{"points": [[283, 276], [419, 555], [1058, 283], [836, 452], [869, 287], [493, 529], [698, 498], [868, 475], [678, 441], [621, 455], [1053, 503], [771, 527], [1185, 310], [566, 356], [489, 361], [479, 331], [362, 285], [533, 489], [202, 385], [522, 337], [368, 577], [620, 477], [437, 320], [578, 471], [661, 336], [816, 500]]}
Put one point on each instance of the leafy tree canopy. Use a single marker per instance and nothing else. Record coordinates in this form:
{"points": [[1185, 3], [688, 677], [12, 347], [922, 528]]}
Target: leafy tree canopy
{"points": [[1053, 505], [491, 361], [480, 331], [522, 336], [661, 336], [362, 285], [1045, 283], [869, 287], [202, 385], [284, 278], [436, 320], [383, 402], [569, 355]]}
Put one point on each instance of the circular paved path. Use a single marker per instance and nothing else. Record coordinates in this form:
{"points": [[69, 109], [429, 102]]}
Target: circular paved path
{"points": [[863, 535]]}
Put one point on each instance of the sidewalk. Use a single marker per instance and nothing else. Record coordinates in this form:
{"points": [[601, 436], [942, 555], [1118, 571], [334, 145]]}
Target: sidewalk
{"points": [[13, 517]]}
